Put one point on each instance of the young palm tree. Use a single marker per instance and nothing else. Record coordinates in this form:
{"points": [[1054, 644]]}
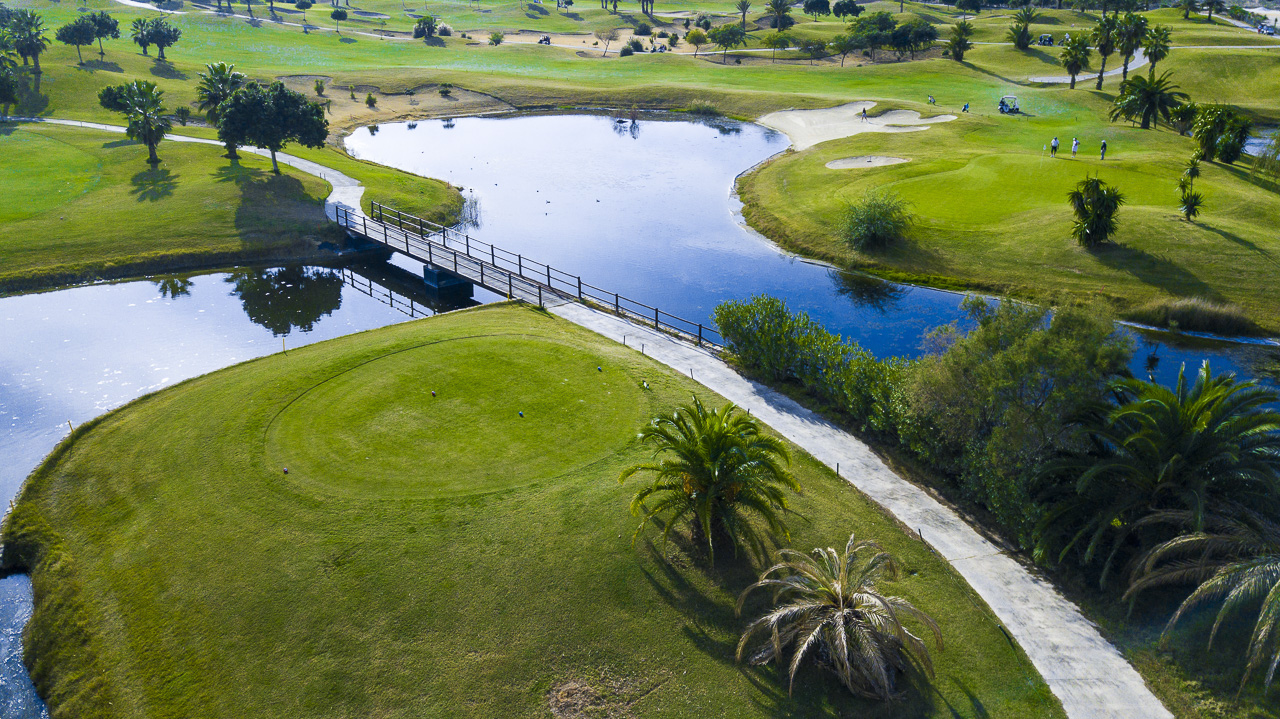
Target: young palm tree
{"points": [[1155, 45], [1075, 57], [1026, 16], [143, 104], [828, 607], [1212, 6], [141, 33], [1150, 100], [215, 87], [1190, 203], [1188, 448], [1131, 30], [29, 41], [743, 6], [1192, 170], [780, 11], [1095, 204], [1020, 35], [718, 470], [1103, 37], [1234, 558], [960, 43], [1187, 7]]}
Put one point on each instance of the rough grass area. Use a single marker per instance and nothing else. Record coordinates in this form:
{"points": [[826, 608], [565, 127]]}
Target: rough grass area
{"points": [[1195, 315], [427, 556]]}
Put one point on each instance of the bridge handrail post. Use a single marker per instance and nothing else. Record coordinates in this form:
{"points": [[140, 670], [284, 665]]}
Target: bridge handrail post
{"points": [[699, 334], [493, 257], [540, 295], [655, 318], [548, 275], [579, 287], [468, 243], [617, 303], [520, 265], [429, 257], [364, 223], [482, 274], [509, 293]]}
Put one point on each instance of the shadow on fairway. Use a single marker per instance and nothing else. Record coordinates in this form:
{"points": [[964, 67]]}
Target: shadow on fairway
{"points": [[93, 66], [1156, 271], [153, 185], [166, 70]]}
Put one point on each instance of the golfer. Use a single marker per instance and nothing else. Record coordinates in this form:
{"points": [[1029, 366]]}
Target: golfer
{"points": [[1053, 148], [1104, 150], [1075, 146], [864, 114]]}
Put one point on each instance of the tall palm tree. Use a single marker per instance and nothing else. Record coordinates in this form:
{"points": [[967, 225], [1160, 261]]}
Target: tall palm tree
{"points": [[143, 104], [29, 41], [1094, 203], [1103, 37], [215, 87], [1234, 558], [141, 33], [1212, 6], [1188, 448], [1075, 57], [1155, 45], [828, 605], [717, 469], [743, 7], [1026, 16], [779, 10], [1142, 97], [1130, 32], [1020, 35], [1187, 7]]}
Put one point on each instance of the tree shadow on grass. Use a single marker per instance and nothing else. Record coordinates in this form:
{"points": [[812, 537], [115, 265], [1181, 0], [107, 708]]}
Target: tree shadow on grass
{"points": [[92, 66], [345, 40], [271, 206], [153, 185], [1156, 271], [166, 70], [1247, 244]]}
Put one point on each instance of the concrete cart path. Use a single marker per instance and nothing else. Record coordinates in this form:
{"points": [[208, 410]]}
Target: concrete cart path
{"points": [[346, 191], [1085, 672]]}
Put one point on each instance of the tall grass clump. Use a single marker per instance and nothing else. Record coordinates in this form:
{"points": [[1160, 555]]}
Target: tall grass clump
{"points": [[876, 220], [705, 108], [1194, 314]]}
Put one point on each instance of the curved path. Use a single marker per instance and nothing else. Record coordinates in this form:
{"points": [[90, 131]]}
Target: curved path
{"points": [[1085, 672]]}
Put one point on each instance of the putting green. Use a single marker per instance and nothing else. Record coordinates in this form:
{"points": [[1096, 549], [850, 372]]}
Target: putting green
{"points": [[386, 435]]}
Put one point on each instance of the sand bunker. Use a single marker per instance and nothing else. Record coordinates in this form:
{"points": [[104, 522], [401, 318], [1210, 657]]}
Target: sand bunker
{"points": [[861, 161], [807, 128]]}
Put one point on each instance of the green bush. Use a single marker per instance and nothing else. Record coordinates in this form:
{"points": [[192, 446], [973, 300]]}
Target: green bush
{"points": [[626, 51], [875, 221], [703, 107], [643, 29]]}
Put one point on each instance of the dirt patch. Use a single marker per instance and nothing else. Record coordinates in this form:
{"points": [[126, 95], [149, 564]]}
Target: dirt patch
{"points": [[422, 102], [864, 161], [573, 700], [607, 695]]}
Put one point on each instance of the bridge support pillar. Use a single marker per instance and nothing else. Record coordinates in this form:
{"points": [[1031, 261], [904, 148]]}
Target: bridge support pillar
{"points": [[445, 282]]}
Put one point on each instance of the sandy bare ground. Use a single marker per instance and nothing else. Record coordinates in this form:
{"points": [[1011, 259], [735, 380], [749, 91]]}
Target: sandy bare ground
{"points": [[345, 113], [807, 128], [865, 161]]}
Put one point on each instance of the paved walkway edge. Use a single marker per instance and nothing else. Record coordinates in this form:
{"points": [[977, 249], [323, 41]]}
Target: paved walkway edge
{"points": [[1085, 672]]}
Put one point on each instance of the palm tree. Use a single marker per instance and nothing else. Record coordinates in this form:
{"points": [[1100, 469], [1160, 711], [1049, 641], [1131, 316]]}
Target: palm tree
{"points": [[1103, 37], [780, 11], [1095, 204], [1130, 32], [743, 7], [1026, 16], [1020, 35], [1190, 204], [1188, 448], [215, 87], [141, 33], [717, 469], [1148, 99], [1155, 45], [1235, 558], [1212, 6], [1187, 7], [1192, 170], [1075, 57], [27, 32], [143, 104], [828, 605], [959, 43]]}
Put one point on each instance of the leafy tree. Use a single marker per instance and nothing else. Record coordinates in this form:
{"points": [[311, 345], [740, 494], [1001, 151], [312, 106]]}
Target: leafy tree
{"points": [[877, 28], [846, 9], [1187, 7], [817, 8], [304, 6], [496, 38], [844, 44], [26, 29], [8, 90], [1131, 30], [968, 7], [143, 104], [717, 469], [959, 43], [79, 32], [104, 27], [215, 87], [780, 11], [611, 35], [743, 7], [775, 41], [141, 32], [921, 35], [270, 117], [727, 37], [163, 34], [1220, 132], [828, 605], [876, 220], [1103, 37], [1020, 35], [1075, 57], [1150, 100], [425, 27], [1192, 448], [1155, 45], [1095, 204], [337, 15], [1212, 6], [1234, 559]]}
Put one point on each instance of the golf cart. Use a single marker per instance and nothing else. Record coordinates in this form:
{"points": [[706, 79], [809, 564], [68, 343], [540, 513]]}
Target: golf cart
{"points": [[1009, 105], [1045, 40], [544, 40]]}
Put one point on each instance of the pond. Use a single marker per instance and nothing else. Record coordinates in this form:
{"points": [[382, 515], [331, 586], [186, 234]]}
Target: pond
{"points": [[645, 207]]}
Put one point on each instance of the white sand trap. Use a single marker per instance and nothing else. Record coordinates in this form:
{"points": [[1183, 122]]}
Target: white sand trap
{"points": [[861, 161], [807, 128]]}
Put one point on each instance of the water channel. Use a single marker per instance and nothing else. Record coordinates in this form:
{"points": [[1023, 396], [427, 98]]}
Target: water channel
{"points": [[643, 208]]}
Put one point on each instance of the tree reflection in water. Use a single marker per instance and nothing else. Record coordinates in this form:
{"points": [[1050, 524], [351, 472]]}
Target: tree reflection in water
{"points": [[866, 290], [284, 298], [174, 287]]}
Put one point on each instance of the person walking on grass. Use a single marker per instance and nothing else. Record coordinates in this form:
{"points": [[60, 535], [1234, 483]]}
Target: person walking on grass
{"points": [[1075, 146], [1104, 150], [1053, 148]]}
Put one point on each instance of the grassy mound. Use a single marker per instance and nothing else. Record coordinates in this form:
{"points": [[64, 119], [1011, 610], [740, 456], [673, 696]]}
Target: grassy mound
{"points": [[427, 556]]}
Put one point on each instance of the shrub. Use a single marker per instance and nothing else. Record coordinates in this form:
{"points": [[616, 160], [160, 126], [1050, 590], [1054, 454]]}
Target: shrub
{"points": [[1194, 314], [495, 38], [876, 220], [662, 34], [643, 29], [705, 108], [444, 30], [319, 85], [446, 89], [626, 51], [635, 45], [183, 114], [370, 100]]}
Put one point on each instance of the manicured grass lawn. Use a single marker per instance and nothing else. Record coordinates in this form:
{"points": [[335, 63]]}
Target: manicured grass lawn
{"points": [[426, 556], [96, 208]]}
